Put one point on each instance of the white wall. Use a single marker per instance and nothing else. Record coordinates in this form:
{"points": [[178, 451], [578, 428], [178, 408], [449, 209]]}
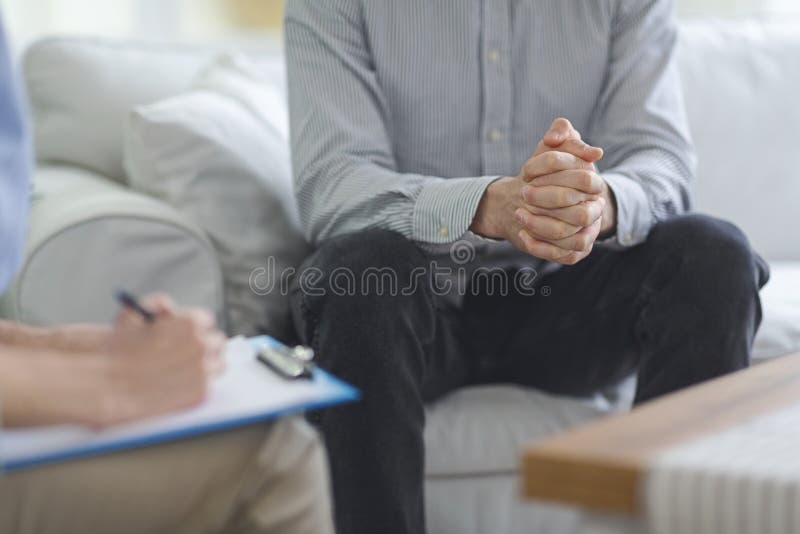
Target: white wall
{"points": [[689, 8], [183, 20], [192, 20]]}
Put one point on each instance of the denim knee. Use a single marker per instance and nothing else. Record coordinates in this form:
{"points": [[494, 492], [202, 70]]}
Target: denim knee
{"points": [[711, 248], [367, 278], [359, 251]]}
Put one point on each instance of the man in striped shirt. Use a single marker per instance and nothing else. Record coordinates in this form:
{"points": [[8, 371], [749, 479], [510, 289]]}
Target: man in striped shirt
{"points": [[492, 244]]}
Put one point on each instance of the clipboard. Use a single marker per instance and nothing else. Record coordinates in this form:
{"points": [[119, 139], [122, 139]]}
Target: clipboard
{"points": [[246, 393]]}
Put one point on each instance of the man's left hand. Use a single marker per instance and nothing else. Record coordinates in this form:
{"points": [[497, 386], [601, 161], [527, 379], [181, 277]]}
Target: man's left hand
{"points": [[545, 195]]}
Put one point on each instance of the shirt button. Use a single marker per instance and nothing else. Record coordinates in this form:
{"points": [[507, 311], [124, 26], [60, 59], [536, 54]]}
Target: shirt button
{"points": [[444, 231], [628, 239], [495, 135], [494, 56]]}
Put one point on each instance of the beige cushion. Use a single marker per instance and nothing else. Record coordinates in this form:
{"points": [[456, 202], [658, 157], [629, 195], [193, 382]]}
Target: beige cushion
{"points": [[88, 237], [219, 155]]}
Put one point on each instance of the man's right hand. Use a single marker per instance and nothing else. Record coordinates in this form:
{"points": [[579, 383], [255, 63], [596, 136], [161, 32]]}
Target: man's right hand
{"points": [[562, 222], [162, 366]]}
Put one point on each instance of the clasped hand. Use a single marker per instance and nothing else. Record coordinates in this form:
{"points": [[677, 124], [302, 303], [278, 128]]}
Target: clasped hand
{"points": [[558, 204]]}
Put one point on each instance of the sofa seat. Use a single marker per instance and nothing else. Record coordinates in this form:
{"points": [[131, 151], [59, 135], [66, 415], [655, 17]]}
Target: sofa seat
{"points": [[780, 331], [458, 424]]}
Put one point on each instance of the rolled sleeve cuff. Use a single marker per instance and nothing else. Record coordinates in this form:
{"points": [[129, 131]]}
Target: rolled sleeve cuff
{"points": [[634, 217], [444, 209]]}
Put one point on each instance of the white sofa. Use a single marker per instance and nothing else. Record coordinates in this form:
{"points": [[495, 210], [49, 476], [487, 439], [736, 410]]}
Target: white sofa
{"points": [[90, 233]]}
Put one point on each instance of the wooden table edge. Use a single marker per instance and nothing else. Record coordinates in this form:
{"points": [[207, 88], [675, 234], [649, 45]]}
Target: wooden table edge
{"points": [[601, 465]]}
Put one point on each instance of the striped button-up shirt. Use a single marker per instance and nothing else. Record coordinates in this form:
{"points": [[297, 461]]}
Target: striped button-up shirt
{"points": [[402, 112]]}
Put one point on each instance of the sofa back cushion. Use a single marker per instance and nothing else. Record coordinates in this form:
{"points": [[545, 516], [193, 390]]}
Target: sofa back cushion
{"points": [[82, 89], [219, 154], [742, 81]]}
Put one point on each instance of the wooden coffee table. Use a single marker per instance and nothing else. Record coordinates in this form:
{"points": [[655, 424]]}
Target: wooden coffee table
{"points": [[601, 466]]}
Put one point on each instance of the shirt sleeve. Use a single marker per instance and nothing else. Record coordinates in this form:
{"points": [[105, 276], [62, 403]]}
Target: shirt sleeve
{"points": [[641, 122], [344, 170], [15, 167]]}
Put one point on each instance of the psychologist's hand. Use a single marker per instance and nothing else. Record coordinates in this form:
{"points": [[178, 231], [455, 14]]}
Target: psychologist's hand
{"points": [[559, 218], [161, 366]]}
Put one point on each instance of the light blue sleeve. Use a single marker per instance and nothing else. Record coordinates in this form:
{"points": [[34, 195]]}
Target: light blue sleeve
{"points": [[15, 168]]}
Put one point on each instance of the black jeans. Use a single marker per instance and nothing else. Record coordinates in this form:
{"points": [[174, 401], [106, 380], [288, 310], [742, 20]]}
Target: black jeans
{"points": [[679, 309]]}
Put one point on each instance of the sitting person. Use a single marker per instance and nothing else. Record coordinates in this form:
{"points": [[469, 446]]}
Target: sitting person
{"points": [[489, 246], [262, 478]]}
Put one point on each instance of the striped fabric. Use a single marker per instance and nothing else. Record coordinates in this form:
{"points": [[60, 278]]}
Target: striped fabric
{"points": [[403, 111]]}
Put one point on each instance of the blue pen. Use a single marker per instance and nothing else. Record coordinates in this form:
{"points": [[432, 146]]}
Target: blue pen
{"points": [[131, 302]]}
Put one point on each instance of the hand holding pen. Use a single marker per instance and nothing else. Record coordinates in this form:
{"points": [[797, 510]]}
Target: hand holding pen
{"points": [[163, 358]]}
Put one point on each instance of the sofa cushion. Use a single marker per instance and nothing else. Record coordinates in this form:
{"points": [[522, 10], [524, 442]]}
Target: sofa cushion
{"points": [[82, 89], [741, 82], [89, 237], [480, 430], [219, 154], [780, 299]]}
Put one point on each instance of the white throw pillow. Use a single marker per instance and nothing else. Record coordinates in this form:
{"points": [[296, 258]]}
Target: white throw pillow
{"points": [[219, 154]]}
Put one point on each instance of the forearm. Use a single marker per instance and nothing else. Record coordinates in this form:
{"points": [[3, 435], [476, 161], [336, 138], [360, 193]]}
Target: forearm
{"points": [[77, 339], [20, 335], [51, 388], [363, 195]]}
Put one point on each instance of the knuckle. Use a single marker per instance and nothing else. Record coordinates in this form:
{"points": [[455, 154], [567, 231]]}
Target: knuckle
{"points": [[587, 180], [551, 159], [596, 184], [583, 242], [529, 248], [527, 167], [585, 216], [530, 195], [575, 146]]}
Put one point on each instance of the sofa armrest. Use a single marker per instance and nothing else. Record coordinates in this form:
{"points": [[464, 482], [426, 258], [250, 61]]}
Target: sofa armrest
{"points": [[89, 236]]}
